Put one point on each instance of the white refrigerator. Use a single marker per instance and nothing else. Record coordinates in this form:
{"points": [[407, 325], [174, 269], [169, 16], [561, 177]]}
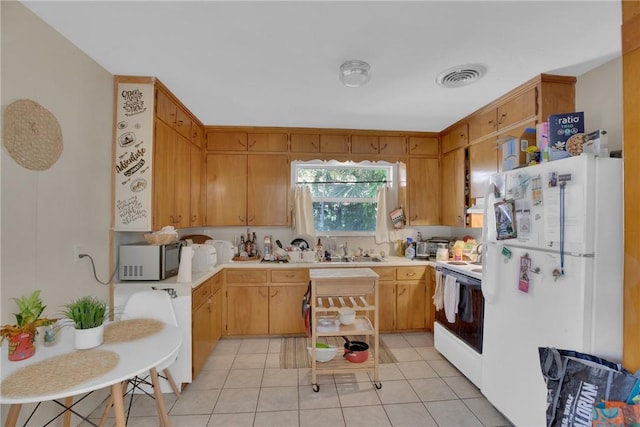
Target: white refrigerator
{"points": [[552, 275]]}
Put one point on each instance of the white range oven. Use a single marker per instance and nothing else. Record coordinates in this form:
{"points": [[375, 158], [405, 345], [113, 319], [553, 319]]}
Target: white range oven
{"points": [[458, 328]]}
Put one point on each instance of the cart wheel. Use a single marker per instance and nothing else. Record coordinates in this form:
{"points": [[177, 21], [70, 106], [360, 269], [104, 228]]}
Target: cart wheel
{"points": [[316, 387], [378, 385]]}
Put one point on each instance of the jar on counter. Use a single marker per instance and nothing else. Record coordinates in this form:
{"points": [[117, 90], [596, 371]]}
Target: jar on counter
{"points": [[442, 254]]}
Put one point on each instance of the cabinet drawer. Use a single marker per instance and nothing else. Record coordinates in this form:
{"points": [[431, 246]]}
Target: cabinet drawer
{"points": [[201, 294], [288, 276], [385, 273], [410, 273], [517, 109], [246, 276]]}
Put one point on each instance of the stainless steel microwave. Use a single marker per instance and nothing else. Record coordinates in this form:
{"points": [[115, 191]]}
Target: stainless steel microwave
{"points": [[142, 261]]}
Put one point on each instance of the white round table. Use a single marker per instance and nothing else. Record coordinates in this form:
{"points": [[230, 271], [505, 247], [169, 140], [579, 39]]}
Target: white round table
{"points": [[135, 357]]}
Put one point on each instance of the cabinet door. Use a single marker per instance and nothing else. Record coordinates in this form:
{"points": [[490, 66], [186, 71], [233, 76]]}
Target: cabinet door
{"points": [[183, 123], [424, 146], [166, 109], [268, 190], [163, 176], [518, 109], [216, 318], [387, 303], [430, 289], [364, 144], [424, 191], [226, 189], [182, 182], [200, 333], [305, 143], [195, 218], [482, 125], [334, 144], [393, 145], [455, 138], [483, 162], [248, 310], [226, 141], [267, 142], [453, 197], [410, 305], [196, 134], [284, 309]]}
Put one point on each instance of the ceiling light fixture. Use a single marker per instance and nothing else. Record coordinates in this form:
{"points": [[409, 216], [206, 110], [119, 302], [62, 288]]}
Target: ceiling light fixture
{"points": [[461, 75], [354, 73]]}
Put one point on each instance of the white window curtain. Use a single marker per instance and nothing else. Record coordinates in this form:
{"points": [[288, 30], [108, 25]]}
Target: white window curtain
{"points": [[303, 212], [383, 221]]}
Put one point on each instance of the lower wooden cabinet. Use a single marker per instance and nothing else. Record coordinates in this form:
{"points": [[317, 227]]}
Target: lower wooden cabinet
{"points": [[284, 309], [247, 310], [206, 318], [411, 305]]}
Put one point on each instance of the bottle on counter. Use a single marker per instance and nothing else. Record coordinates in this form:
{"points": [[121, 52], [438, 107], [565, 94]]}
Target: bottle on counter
{"points": [[442, 254], [242, 247], [410, 251], [254, 245], [319, 251]]}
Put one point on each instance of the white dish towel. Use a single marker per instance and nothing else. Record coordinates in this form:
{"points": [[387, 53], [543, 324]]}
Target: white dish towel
{"points": [[438, 295], [451, 298]]}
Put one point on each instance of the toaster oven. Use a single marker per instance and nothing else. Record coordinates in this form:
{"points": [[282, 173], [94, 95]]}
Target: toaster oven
{"points": [[142, 261]]}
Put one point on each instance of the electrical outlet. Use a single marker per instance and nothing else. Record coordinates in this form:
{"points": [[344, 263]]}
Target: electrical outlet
{"points": [[76, 253]]}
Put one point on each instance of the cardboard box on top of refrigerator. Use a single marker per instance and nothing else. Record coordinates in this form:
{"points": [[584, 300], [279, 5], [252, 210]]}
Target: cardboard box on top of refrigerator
{"points": [[514, 149], [566, 135]]}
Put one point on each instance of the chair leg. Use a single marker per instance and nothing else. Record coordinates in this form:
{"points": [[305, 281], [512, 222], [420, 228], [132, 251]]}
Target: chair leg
{"points": [[109, 405], [173, 384]]}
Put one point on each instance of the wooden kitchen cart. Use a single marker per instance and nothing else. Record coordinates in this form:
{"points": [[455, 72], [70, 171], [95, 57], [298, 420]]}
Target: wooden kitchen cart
{"points": [[331, 289]]}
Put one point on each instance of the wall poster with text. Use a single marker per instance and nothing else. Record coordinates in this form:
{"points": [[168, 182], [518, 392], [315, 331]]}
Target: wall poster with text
{"points": [[133, 156]]}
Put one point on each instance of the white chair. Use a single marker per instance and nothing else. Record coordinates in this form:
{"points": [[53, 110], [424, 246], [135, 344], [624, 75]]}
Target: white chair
{"points": [[151, 304]]}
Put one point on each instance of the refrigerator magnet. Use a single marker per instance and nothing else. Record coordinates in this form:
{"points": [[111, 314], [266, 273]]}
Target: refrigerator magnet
{"points": [[505, 220], [523, 277]]}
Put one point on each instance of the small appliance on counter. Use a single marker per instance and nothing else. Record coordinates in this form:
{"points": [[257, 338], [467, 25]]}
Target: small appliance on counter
{"points": [[142, 261], [432, 245], [204, 257], [224, 250]]}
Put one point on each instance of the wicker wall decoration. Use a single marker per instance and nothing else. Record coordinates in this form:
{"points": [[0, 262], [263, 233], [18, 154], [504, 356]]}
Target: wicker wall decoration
{"points": [[32, 135]]}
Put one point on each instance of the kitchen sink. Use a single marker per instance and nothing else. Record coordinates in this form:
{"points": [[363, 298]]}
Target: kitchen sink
{"points": [[350, 260]]}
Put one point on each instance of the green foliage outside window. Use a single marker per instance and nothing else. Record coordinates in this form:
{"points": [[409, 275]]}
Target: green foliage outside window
{"points": [[344, 198]]}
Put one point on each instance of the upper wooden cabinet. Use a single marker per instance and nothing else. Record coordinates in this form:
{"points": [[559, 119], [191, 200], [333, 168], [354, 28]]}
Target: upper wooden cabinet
{"points": [[455, 138], [373, 144], [195, 219], [247, 189], [305, 143], [247, 141], [453, 188], [423, 176], [424, 146], [334, 144], [483, 162], [177, 117], [277, 142]]}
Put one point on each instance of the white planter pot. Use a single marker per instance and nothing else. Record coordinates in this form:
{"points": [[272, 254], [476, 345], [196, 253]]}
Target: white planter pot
{"points": [[89, 338]]}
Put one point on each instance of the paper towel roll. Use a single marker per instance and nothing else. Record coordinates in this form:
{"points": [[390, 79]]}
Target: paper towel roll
{"points": [[184, 270]]}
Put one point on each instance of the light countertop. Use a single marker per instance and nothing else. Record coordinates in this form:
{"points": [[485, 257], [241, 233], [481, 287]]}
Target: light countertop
{"points": [[199, 278]]}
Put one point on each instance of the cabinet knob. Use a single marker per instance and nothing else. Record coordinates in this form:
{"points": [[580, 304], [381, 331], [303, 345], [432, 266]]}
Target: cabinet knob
{"points": [[241, 219], [384, 147], [402, 291], [502, 117], [275, 293], [410, 274], [179, 123], [253, 217], [240, 142], [252, 143], [193, 218]]}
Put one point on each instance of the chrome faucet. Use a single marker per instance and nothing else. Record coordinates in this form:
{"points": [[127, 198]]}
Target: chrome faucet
{"points": [[345, 250]]}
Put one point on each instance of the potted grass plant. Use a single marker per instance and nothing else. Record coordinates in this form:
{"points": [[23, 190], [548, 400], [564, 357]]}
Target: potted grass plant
{"points": [[22, 335], [88, 315]]}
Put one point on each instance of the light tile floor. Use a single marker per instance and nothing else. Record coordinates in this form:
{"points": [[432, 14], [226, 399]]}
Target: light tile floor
{"points": [[243, 385]]}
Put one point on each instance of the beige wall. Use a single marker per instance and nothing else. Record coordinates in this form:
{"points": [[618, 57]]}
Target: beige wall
{"points": [[599, 95], [44, 214]]}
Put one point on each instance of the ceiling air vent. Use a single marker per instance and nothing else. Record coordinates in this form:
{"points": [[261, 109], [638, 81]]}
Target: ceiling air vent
{"points": [[461, 76]]}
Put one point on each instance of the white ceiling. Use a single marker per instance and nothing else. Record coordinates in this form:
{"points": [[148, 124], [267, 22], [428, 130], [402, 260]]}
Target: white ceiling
{"points": [[276, 63]]}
